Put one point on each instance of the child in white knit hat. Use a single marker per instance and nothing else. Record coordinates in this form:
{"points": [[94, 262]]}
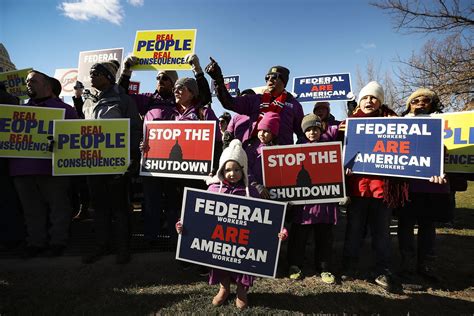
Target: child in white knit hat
{"points": [[231, 178]]}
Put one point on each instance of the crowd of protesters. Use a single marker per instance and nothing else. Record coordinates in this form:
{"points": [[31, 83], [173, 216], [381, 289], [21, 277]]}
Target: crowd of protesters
{"points": [[39, 207]]}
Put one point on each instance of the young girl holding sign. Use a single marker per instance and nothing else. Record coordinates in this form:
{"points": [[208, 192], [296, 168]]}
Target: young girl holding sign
{"points": [[231, 178], [267, 133], [319, 218]]}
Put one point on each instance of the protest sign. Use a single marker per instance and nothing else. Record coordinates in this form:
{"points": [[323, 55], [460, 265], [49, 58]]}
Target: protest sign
{"points": [[24, 130], [459, 140], [231, 232], [15, 82], [134, 87], [330, 87], [163, 49], [91, 147], [178, 149], [304, 174], [398, 147], [67, 77], [231, 84], [88, 58]]}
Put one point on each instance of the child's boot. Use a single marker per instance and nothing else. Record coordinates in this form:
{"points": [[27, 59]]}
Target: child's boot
{"points": [[223, 293], [241, 301]]}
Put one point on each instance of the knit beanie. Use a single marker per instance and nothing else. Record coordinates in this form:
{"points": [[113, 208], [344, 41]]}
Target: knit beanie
{"points": [[282, 71], [173, 75], [189, 83], [108, 68], [236, 153], [322, 104], [424, 92], [311, 120], [373, 88], [270, 122]]}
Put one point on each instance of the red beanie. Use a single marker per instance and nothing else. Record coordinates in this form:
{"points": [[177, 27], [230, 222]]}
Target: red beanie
{"points": [[270, 122]]}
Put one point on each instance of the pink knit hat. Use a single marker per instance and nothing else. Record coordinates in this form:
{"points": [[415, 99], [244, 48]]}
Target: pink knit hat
{"points": [[270, 122]]}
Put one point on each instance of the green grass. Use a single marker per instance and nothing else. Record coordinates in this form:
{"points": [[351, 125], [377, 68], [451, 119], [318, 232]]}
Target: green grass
{"points": [[153, 283]]}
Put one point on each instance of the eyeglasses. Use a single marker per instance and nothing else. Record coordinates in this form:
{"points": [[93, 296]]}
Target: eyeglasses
{"points": [[163, 78], [179, 88], [95, 73], [273, 76], [425, 100]]}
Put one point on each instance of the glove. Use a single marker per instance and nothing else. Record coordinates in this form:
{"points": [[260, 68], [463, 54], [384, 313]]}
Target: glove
{"points": [[50, 143], [133, 168], [214, 71], [129, 62], [193, 60], [283, 235]]}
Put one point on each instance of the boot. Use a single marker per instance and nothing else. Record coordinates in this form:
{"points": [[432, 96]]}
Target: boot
{"points": [[223, 293], [241, 301]]}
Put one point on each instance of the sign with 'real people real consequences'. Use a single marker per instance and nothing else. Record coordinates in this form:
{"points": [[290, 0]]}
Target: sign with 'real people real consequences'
{"points": [[459, 140], [304, 174], [24, 130], [91, 147], [398, 147], [330, 87], [163, 49], [178, 149], [15, 82], [231, 232]]}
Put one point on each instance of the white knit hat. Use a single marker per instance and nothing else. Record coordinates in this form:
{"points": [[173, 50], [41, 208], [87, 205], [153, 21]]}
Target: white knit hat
{"points": [[236, 153], [372, 88]]}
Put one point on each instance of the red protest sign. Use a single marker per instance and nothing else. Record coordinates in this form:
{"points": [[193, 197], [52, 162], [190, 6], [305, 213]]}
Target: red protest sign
{"points": [[304, 174], [178, 149], [134, 87]]}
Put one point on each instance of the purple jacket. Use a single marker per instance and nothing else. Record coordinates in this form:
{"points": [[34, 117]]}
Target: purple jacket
{"points": [[23, 166], [239, 126], [331, 130], [237, 189], [147, 101], [290, 116], [254, 158]]}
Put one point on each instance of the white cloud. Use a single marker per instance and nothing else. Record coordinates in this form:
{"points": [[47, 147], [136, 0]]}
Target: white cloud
{"points": [[85, 10], [136, 3], [365, 46]]}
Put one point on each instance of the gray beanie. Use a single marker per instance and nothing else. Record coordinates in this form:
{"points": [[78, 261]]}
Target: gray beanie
{"points": [[173, 75], [108, 68], [189, 83], [311, 120]]}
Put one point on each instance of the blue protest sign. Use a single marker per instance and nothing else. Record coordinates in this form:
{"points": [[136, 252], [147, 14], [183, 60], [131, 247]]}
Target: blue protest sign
{"points": [[230, 232], [231, 83], [331, 87], [398, 147]]}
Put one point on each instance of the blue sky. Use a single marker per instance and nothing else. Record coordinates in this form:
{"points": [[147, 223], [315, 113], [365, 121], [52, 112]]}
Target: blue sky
{"points": [[246, 37]]}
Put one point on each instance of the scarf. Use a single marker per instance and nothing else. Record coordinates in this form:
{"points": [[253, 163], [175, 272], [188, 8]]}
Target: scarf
{"points": [[268, 105]]}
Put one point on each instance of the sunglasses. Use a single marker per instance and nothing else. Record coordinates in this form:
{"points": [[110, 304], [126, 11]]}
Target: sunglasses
{"points": [[95, 73], [273, 76], [179, 88], [163, 78], [424, 100]]}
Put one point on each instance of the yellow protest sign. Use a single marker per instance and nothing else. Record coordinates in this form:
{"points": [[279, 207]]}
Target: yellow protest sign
{"points": [[459, 140], [15, 82], [88, 147], [24, 130], [163, 49]]}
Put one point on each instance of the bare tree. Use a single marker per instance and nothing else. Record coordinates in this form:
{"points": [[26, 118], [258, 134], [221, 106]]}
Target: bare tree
{"points": [[441, 16], [372, 72], [444, 64]]}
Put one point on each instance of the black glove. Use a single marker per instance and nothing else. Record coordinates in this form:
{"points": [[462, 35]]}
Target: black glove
{"points": [[133, 168], [214, 71]]}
